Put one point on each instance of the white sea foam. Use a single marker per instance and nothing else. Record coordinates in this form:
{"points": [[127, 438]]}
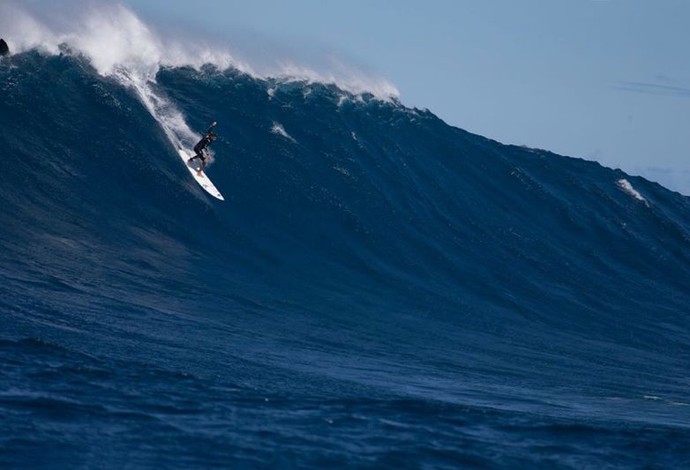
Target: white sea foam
{"points": [[168, 116], [628, 188], [278, 129]]}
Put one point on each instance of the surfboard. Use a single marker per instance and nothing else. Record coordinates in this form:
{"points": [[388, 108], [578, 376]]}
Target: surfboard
{"points": [[201, 177]]}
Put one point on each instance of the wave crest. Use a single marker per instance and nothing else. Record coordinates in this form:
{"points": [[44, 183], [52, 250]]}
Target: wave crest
{"points": [[113, 37]]}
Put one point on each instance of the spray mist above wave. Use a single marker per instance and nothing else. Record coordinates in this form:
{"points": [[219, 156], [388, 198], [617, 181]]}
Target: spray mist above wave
{"points": [[113, 38]]}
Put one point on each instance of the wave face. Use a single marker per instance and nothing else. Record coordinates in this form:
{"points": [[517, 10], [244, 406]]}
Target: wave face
{"points": [[379, 288]]}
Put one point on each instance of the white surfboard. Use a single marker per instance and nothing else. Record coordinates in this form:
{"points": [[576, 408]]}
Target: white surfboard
{"points": [[200, 177]]}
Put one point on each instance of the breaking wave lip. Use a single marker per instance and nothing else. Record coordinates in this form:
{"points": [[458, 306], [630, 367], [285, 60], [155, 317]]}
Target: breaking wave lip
{"points": [[345, 78], [113, 37]]}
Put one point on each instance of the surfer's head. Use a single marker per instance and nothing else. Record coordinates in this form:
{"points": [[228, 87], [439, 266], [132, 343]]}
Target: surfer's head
{"points": [[212, 136]]}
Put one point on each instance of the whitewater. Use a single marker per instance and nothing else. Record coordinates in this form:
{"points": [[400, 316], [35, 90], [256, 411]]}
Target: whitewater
{"points": [[379, 289]]}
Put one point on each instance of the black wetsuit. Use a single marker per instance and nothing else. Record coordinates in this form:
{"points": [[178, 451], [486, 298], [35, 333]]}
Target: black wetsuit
{"points": [[200, 147]]}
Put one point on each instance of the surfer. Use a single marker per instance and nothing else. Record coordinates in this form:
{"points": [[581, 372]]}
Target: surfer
{"points": [[200, 147]]}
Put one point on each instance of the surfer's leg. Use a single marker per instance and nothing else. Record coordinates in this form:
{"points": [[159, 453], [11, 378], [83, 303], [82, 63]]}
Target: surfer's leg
{"points": [[202, 165], [198, 155]]}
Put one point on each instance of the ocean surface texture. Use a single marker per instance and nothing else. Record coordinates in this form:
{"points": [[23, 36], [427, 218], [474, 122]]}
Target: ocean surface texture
{"points": [[378, 290]]}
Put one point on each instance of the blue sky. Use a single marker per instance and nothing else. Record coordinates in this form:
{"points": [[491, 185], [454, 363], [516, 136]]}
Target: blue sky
{"points": [[604, 80]]}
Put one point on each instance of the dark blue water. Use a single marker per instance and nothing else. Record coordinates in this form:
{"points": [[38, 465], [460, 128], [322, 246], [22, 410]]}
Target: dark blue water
{"points": [[378, 290]]}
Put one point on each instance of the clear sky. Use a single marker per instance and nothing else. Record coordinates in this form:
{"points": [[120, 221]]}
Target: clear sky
{"points": [[605, 80]]}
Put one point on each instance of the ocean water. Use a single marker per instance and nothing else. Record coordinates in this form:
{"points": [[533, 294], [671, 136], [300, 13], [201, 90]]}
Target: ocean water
{"points": [[378, 290]]}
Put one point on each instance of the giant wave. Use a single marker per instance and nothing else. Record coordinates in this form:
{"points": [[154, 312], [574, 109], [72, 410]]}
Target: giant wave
{"points": [[380, 288]]}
